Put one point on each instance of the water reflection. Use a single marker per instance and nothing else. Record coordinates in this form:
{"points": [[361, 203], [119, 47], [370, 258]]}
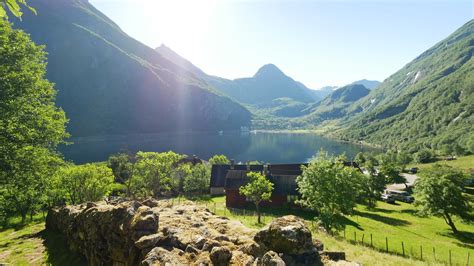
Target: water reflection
{"points": [[264, 147]]}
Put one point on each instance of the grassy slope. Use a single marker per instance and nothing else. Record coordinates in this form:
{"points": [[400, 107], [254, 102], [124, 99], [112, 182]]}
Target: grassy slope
{"points": [[396, 222], [32, 245], [464, 163]]}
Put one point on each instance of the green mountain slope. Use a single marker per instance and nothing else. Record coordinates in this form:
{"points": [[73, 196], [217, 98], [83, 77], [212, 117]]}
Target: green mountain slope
{"points": [[428, 103], [109, 83], [335, 104], [369, 84]]}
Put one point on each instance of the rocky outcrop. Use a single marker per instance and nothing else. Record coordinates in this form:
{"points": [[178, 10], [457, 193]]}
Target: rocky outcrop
{"points": [[160, 233]]}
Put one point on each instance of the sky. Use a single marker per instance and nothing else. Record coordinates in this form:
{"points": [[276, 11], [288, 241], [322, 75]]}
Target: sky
{"points": [[319, 43]]}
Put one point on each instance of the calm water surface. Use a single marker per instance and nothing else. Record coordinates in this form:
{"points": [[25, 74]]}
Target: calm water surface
{"points": [[261, 146]]}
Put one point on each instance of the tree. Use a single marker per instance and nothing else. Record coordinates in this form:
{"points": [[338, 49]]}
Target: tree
{"points": [[154, 172], [330, 189], [14, 7], [88, 182], [257, 190], [403, 158], [31, 126], [439, 192], [198, 180], [373, 184], [423, 156], [391, 173], [219, 159], [122, 168], [360, 158]]}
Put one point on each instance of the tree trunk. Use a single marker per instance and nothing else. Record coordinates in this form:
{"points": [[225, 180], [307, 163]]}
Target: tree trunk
{"points": [[258, 211], [23, 217], [449, 221]]}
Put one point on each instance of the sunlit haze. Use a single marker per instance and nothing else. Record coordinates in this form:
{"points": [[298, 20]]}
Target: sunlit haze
{"points": [[316, 42]]}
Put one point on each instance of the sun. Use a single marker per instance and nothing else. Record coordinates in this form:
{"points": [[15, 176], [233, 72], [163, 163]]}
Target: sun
{"points": [[183, 24]]}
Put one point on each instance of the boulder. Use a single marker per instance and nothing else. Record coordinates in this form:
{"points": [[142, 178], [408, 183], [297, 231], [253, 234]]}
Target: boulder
{"points": [[271, 258], [287, 234], [220, 256]]}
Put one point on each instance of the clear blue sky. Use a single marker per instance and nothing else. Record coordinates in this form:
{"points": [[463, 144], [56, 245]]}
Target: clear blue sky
{"points": [[316, 42]]}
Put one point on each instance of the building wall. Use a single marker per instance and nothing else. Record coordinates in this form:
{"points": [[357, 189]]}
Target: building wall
{"points": [[233, 199], [217, 191]]}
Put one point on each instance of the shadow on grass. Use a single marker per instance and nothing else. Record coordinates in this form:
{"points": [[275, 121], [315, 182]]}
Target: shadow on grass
{"points": [[57, 250], [465, 238], [383, 219]]}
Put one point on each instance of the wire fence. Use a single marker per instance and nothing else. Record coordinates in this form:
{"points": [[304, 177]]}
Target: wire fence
{"points": [[385, 244]]}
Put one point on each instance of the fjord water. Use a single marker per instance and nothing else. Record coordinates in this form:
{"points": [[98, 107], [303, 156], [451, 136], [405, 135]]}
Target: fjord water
{"points": [[242, 147]]}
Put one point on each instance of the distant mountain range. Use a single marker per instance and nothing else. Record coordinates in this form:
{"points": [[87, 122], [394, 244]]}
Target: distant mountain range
{"points": [[268, 84], [109, 83]]}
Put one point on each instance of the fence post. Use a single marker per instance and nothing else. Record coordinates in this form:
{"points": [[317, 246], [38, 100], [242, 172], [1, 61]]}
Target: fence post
{"points": [[344, 233], [386, 244], [450, 263], [467, 264], [371, 243], [363, 239], [403, 249], [434, 253], [355, 237], [215, 208], [421, 252]]}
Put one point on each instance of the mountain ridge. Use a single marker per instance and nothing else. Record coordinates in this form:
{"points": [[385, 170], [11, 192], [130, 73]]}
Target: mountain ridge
{"points": [[143, 92]]}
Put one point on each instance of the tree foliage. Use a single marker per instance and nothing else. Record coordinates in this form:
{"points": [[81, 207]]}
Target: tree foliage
{"points": [[198, 179], [83, 183], [219, 159], [439, 192], [14, 6], [31, 126], [258, 189], [330, 189], [154, 173]]}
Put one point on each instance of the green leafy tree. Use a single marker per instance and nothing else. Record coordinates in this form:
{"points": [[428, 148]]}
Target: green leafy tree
{"points": [[31, 126], [88, 182], [154, 172], [423, 156], [403, 159], [122, 168], [330, 189], [360, 158], [372, 186], [439, 192], [198, 180], [219, 159], [14, 7], [391, 173], [257, 190]]}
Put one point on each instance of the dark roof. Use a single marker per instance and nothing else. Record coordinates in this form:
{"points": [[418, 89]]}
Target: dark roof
{"points": [[286, 169], [283, 176], [219, 172]]}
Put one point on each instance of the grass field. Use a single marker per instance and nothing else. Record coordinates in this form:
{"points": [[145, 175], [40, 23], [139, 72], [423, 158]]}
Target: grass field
{"points": [[31, 244], [465, 163], [396, 222]]}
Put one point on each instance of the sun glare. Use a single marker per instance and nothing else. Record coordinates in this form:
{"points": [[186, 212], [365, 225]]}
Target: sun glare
{"points": [[184, 23]]}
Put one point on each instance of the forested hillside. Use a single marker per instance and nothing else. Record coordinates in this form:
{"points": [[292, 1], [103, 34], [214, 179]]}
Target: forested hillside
{"points": [[428, 103], [335, 104], [109, 83]]}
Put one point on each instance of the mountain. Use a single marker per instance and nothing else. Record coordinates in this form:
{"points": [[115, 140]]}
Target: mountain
{"points": [[323, 92], [268, 84], [427, 103], [335, 104], [109, 83], [369, 84]]}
